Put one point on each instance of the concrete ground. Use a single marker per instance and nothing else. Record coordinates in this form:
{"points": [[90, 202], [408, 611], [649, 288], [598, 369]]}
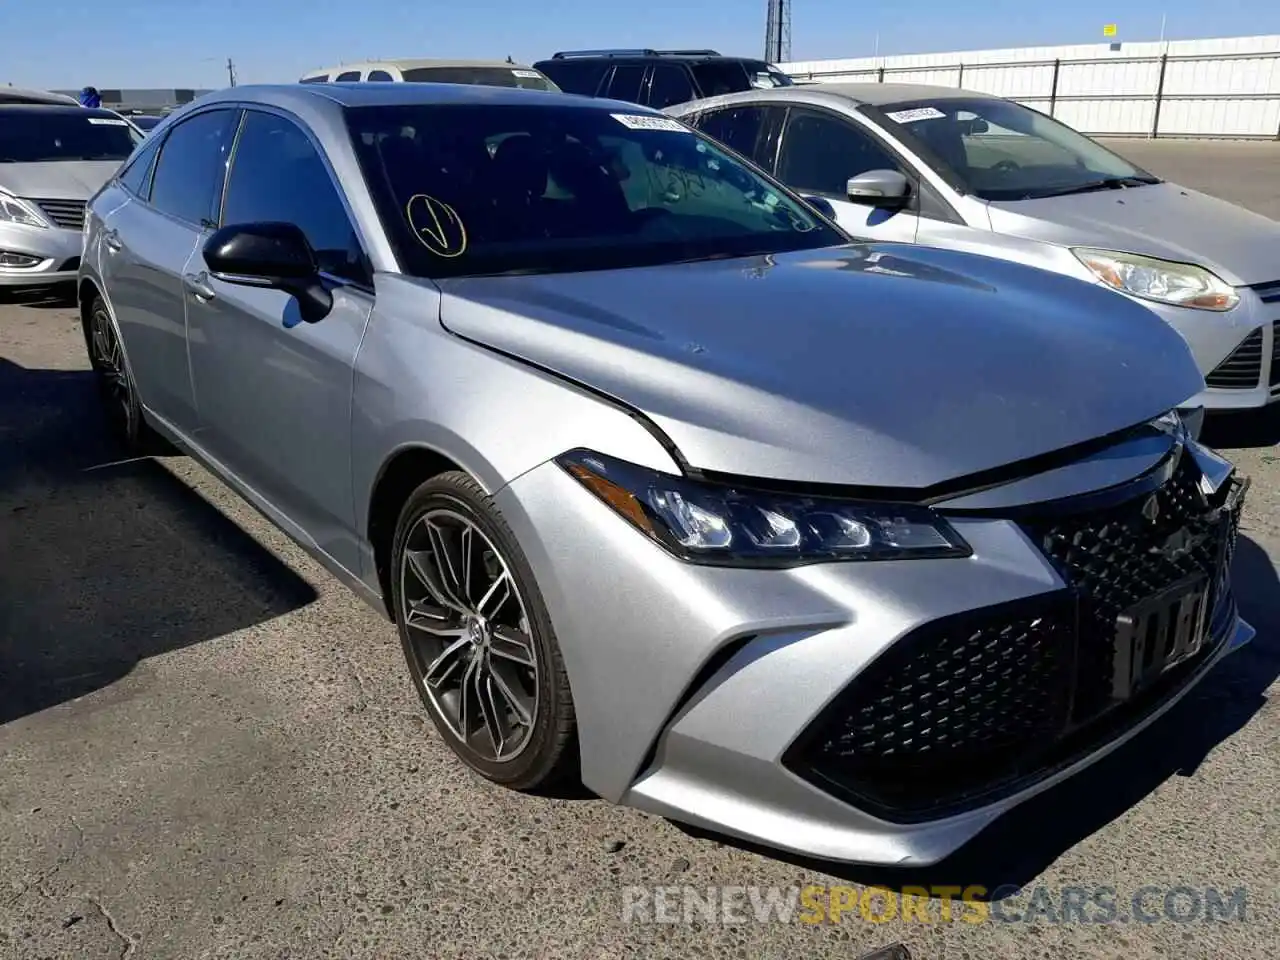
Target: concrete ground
{"points": [[209, 749]]}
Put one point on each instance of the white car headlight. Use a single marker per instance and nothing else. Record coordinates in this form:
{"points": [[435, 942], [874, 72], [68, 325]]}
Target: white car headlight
{"points": [[1180, 284], [13, 210]]}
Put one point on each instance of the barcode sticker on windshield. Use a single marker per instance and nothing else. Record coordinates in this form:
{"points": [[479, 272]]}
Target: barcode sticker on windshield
{"points": [[919, 113], [527, 74], [107, 122], [634, 121]]}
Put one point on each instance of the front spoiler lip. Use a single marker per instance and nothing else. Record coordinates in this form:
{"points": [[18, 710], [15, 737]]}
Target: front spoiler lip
{"points": [[901, 845]]}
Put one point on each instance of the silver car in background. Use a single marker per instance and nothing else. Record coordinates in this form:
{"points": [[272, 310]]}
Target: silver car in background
{"points": [[53, 158], [632, 446], [967, 171]]}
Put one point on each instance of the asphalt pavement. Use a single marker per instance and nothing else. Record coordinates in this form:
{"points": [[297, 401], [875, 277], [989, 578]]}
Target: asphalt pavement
{"points": [[210, 749]]}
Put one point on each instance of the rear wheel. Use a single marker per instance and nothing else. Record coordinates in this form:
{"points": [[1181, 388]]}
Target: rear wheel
{"points": [[477, 637]]}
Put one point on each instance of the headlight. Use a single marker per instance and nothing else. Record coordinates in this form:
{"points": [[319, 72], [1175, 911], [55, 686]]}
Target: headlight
{"points": [[709, 523], [13, 210], [1181, 284]]}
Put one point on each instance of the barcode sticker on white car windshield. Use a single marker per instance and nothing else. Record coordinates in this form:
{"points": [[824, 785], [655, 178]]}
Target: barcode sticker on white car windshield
{"points": [[634, 121], [919, 113], [527, 74], [107, 122]]}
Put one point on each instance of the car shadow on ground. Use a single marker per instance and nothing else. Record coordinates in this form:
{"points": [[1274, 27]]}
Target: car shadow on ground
{"points": [[1021, 845], [105, 562]]}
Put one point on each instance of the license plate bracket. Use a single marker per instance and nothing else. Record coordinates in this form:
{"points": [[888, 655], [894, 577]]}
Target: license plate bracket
{"points": [[1158, 633]]}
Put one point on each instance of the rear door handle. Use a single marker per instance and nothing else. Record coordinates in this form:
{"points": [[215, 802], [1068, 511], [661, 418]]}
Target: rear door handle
{"points": [[112, 240], [198, 286]]}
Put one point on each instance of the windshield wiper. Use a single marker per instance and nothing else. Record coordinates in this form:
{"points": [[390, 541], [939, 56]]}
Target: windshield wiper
{"points": [[1110, 183]]}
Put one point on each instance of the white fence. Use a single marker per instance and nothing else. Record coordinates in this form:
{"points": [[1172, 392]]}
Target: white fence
{"points": [[1184, 88]]}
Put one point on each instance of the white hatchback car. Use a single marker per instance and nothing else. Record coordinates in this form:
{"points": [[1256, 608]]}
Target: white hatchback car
{"points": [[486, 73], [968, 171]]}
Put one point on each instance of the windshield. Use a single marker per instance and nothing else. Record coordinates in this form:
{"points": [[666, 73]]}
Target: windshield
{"points": [[1001, 150], [37, 136], [469, 190], [482, 76]]}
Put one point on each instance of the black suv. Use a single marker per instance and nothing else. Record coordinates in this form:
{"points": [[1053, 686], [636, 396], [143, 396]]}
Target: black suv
{"points": [[658, 78]]}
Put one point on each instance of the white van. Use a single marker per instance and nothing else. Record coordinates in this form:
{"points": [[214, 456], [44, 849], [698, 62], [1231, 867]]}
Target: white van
{"points": [[485, 73]]}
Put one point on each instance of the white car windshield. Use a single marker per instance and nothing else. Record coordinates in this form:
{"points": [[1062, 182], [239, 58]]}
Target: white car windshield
{"points": [[483, 76], [1000, 150], [34, 134]]}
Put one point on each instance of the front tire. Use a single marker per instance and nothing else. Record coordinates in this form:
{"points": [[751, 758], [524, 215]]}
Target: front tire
{"points": [[116, 388], [477, 637]]}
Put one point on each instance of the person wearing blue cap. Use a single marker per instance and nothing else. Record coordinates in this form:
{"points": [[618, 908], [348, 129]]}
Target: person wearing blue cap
{"points": [[89, 97]]}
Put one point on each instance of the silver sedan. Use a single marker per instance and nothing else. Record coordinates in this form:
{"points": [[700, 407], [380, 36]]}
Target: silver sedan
{"points": [[967, 171], [634, 449]]}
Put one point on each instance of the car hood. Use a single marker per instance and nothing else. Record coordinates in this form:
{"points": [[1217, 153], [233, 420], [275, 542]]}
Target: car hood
{"points": [[1159, 220], [58, 179], [878, 365]]}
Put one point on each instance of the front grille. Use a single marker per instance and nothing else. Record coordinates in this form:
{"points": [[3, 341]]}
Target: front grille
{"points": [[1113, 559], [1269, 292], [1242, 368], [68, 214], [975, 705], [1275, 354]]}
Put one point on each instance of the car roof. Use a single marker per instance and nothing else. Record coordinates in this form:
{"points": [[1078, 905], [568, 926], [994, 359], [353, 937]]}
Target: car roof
{"points": [[879, 94], [48, 108], [21, 95], [569, 56], [834, 95], [415, 64], [313, 95]]}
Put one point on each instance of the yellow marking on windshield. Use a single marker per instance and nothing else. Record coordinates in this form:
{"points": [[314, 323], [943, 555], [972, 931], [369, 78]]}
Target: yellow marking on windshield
{"points": [[436, 225]]}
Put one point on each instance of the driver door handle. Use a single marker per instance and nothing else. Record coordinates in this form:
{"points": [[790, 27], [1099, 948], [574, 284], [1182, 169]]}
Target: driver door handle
{"points": [[197, 285]]}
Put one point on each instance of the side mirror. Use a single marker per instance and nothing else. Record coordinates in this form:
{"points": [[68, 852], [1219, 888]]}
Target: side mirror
{"points": [[879, 188], [822, 205], [977, 126], [275, 255]]}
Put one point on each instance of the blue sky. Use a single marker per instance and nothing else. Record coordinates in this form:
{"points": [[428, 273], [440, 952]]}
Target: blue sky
{"points": [[184, 43]]}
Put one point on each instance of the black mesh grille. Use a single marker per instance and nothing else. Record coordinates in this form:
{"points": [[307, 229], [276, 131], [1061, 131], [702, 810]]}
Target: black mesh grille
{"points": [[1275, 354], [976, 704], [1114, 559], [1242, 368]]}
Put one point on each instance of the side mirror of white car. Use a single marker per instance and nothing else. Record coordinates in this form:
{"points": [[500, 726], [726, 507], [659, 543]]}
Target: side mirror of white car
{"points": [[879, 188]]}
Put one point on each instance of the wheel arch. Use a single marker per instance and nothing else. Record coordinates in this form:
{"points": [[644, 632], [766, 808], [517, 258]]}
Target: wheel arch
{"points": [[86, 290], [404, 470]]}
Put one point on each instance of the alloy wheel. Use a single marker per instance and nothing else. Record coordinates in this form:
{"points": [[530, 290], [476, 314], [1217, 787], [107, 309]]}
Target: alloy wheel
{"points": [[469, 633], [108, 363]]}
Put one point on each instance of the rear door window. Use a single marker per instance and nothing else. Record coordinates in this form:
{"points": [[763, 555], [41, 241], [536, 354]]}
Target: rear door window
{"points": [[669, 85], [348, 76], [738, 128], [376, 75], [625, 82], [187, 183]]}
